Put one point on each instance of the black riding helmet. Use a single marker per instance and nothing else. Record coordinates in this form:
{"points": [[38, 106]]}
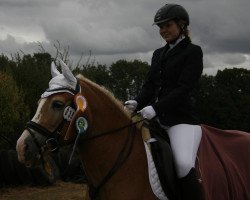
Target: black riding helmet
{"points": [[171, 12]]}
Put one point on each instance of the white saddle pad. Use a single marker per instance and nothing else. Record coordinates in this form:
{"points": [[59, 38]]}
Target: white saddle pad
{"points": [[153, 176]]}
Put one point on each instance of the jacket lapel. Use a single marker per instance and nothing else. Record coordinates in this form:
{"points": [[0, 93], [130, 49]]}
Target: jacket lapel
{"points": [[179, 47]]}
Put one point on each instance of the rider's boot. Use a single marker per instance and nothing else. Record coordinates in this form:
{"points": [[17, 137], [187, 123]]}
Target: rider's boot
{"points": [[190, 186]]}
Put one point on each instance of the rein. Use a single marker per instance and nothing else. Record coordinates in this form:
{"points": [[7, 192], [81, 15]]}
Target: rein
{"points": [[121, 158], [113, 130]]}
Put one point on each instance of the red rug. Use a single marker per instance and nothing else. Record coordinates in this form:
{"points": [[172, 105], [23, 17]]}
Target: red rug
{"points": [[224, 164]]}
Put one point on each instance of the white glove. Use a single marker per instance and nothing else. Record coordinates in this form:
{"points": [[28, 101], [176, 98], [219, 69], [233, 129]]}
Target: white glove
{"points": [[130, 105], [147, 112]]}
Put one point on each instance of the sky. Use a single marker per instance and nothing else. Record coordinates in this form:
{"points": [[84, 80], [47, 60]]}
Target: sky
{"points": [[122, 29]]}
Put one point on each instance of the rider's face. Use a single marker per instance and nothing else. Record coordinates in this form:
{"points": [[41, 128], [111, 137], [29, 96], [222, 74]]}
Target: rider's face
{"points": [[169, 30]]}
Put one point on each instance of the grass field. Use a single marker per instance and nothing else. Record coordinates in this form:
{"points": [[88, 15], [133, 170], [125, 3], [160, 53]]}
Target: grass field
{"points": [[59, 191]]}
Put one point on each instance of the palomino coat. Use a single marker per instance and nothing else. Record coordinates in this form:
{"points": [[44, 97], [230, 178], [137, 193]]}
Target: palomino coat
{"points": [[169, 82]]}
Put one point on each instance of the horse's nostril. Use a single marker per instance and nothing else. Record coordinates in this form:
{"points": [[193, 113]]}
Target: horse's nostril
{"points": [[28, 153]]}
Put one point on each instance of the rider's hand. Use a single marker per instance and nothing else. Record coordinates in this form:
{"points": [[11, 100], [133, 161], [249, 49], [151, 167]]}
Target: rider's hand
{"points": [[147, 112], [130, 105]]}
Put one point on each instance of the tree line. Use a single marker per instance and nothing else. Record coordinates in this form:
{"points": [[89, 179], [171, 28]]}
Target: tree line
{"points": [[222, 100]]}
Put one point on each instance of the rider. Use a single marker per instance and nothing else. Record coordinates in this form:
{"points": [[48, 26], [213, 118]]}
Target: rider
{"points": [[165, 96]]}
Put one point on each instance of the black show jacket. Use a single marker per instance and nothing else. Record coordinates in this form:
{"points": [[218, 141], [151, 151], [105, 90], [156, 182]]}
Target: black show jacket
{"points": [[172, 76]]}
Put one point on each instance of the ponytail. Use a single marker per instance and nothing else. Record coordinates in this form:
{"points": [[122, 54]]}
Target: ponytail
{"points": [[184, 29]]}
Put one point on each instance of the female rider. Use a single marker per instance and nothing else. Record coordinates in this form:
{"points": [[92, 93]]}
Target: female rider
{"points": [[175, 70]]}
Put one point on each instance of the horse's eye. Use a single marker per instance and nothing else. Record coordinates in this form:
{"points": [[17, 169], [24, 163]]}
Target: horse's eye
{"points": [[58, 105]]}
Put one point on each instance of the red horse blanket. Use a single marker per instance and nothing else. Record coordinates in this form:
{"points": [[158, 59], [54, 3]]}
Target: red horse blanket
{"points": [[224, 164]]}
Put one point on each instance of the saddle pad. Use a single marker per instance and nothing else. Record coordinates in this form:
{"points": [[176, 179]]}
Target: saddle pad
{"points": [[153, 176]]}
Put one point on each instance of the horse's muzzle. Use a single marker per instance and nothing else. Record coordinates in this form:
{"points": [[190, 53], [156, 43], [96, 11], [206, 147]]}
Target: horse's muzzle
{"points": [[28, 152]]}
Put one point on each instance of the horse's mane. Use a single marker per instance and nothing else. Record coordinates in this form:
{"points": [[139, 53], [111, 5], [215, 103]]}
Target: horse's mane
{"points": [[112, 98], [103, 90]]}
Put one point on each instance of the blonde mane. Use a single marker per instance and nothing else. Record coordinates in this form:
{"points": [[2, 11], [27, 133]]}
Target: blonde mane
{"points": [[105, 91]]}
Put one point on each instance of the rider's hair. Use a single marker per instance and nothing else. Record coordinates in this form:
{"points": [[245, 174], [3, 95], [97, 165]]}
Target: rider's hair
{"points": [[184, 28]]}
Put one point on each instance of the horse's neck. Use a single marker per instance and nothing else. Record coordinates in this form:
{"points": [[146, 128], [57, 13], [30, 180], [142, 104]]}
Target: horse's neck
{"points": [[130, 180], [100, 154]]}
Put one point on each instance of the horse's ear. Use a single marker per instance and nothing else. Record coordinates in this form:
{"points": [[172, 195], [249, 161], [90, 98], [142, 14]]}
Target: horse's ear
{"points": [[54, 70], [67, 73]]}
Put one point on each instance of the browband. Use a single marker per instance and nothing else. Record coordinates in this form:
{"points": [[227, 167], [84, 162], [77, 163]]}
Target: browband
{"points": [[74, 91]]}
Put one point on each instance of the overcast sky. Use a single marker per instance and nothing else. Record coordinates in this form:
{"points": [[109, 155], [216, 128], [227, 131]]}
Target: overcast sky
{"points": [[122, 29]]}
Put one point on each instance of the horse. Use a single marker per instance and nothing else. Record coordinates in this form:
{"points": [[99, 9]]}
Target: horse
{"points": [[111, 147]]}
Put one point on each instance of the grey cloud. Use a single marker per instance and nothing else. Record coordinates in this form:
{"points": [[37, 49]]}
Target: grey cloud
{"points": [[207, 63], [28, 3], [10, 46], [123, 28], [222, 27], [101, 40], [235, 59], [232, 45]]}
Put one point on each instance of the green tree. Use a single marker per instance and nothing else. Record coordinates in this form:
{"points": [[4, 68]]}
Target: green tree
{"points": [[223, 100], [127, 78], [32, 75], [98, 74], [6, 65], [204, 99], [13, 111], [236, 84]]}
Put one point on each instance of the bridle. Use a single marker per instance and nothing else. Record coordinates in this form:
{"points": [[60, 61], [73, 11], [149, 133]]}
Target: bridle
{"points": [[52, 137], [52, 140]]}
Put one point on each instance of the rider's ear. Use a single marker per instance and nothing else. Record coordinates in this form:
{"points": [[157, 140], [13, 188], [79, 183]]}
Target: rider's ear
{"points": [[81, 105]]}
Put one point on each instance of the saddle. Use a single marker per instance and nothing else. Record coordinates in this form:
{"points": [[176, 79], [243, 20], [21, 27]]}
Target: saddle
{"points": [[161, 151]]}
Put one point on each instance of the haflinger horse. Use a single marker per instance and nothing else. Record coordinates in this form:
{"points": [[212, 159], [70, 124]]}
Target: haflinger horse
{"points": [[110, 144]]}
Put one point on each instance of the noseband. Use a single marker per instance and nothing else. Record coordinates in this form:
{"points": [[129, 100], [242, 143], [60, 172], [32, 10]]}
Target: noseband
{"points": [[52, 138]]}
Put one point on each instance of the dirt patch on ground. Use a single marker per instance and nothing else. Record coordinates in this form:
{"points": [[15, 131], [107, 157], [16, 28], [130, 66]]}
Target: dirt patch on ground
{"points": [[59, 191]]}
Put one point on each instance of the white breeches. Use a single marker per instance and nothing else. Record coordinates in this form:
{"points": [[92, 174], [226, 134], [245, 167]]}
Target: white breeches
{"points": [[185, 140]]}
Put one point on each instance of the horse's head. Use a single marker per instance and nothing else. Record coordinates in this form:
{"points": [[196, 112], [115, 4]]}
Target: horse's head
{"points": [[55, 117]]}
